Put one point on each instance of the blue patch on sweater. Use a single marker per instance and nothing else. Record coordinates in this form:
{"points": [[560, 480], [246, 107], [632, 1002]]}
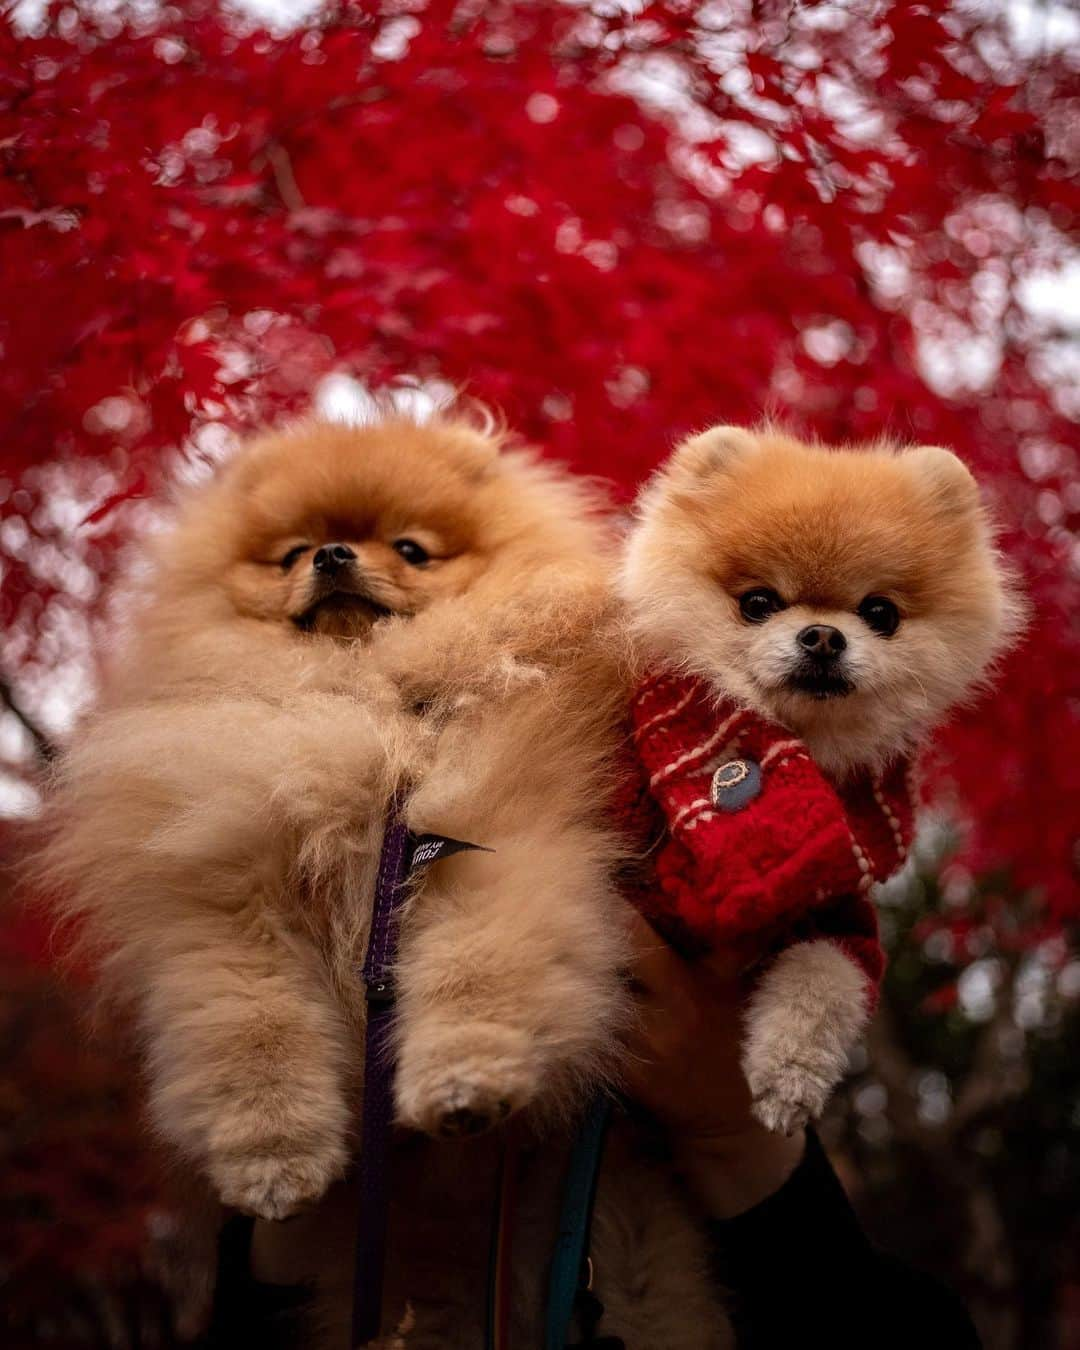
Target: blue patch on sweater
{"points": [[735, 784]]}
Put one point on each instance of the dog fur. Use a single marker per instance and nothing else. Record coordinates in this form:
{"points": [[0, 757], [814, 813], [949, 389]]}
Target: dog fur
{"points": [[215, 826], [823, 529]]}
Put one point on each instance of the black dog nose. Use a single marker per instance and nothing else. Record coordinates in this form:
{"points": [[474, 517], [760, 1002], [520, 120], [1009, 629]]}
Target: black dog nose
{"points": [[332, 557], [822, 641]]}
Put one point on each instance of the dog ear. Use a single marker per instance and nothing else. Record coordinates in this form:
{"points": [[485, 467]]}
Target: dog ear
{"points": [[716, 449], [476, 448], [946, 475]]}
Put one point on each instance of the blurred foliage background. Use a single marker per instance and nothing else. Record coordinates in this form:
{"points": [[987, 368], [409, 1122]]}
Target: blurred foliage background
{"points": [[615, 221]]}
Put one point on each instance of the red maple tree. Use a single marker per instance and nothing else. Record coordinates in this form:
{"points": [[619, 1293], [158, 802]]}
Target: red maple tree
{"points": [[614, 222]]}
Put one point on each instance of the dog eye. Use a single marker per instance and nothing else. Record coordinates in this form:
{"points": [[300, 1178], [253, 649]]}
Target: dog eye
{"points": [[411, 551], [760, 604], [293, 555], [880, 614]]}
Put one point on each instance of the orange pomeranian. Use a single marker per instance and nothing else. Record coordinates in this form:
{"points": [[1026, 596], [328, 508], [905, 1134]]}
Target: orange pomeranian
{"points": [[340, 616], [850, 597]]}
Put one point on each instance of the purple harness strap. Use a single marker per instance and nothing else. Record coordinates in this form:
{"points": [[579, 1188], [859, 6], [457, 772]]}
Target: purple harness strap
{"points": [[402, 852], [374, 1165]]}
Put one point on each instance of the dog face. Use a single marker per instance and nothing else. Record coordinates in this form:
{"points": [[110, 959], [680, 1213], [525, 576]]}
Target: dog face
{"points": [[852, 595], [325, 530]]}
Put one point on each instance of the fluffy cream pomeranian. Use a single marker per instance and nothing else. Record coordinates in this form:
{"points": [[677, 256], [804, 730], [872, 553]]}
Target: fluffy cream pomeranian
{"points": [[340, 615], [853, 596]]}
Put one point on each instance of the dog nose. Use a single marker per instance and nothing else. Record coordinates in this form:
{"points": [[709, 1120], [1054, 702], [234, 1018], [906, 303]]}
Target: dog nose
{"points": [[332, 558], [822, 641]]}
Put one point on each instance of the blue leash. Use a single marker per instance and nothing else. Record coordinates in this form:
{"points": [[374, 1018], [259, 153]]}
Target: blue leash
{"points": [[575, 1219]]}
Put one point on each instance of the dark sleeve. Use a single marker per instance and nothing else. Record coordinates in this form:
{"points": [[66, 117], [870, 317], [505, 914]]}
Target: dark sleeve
{"points": [[798, 1268]]}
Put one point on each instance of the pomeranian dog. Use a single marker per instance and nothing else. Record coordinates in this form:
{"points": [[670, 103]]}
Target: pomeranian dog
{"points": [[340, 618], [851, 596]]}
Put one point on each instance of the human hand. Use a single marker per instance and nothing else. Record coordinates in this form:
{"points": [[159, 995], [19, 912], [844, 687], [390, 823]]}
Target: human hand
{"points": [[685, 1069]]}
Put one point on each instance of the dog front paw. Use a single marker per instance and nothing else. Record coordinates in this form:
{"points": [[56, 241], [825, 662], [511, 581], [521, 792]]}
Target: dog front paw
{"points": [[456, 1082], [806, 1014], [787, 1096], [275, 1185]]}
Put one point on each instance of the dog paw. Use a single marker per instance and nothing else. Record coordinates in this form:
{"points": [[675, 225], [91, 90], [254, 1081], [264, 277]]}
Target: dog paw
{"points": [[274, 1186], [788, 1095], [465, 1084], [783, 1113], [464, 1108], [807, 1012]]}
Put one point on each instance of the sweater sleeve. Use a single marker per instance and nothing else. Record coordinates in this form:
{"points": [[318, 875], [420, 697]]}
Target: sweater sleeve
{"points": [[798, 1269]]}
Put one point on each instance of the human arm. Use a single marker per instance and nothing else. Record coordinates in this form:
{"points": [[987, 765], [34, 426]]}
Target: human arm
{"points": [[787, 1247]]}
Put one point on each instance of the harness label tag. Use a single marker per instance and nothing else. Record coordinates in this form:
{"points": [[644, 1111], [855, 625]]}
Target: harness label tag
{"points": [[429, 848]]}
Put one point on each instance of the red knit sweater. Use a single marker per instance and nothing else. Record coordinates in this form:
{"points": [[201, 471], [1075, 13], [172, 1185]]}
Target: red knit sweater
{"points": [[746, 842]]}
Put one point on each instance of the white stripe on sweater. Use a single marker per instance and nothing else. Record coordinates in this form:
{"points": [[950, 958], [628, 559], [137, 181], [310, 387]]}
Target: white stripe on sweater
{"points": [[781, 748], [890, 818], [697, 753], [691, 808], [699, 819], [668, 713]]}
